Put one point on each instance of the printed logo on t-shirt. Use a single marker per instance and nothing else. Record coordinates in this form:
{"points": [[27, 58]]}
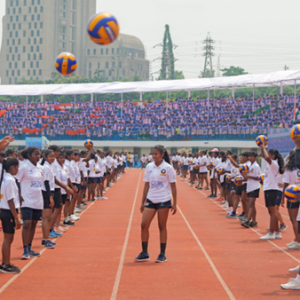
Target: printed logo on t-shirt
{"points": [[36, 184], [1, 196], [157, 184], [163, 171], [298, 173]]}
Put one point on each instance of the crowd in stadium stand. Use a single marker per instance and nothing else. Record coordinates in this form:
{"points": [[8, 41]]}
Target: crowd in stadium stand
{"points": [[182, 119]]}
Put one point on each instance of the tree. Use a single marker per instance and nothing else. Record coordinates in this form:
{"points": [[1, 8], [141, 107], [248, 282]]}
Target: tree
{"points": [[233, 71], [208, 74], [136, 78], [179, 75]]}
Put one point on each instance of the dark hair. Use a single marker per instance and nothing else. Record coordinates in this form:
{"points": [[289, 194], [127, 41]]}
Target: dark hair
{"points": [[234, 156], [7, 163], [45, 155], [222, 153], [162, 150], [55, 148], [290, 161], [8, 152], [28, 152], [253, 153], [69, 152], [210, 152], [62, 153], [279, 159], [2, 154], [93, 155], [83, 152], [76, 153], [246, 154]]}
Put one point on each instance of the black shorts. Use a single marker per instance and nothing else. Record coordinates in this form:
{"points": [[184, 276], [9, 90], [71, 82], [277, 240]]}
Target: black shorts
{"points": [[270, 197], [97, 179], [202, 173], [292, 205], [91, 180], [223, 184], [77, 185], [46, 200], [31, 214], [239, 190], [253, 194], [57, 198], [150, 204], [124, 166], [82, 187], [106, 174], [64, 199], [227, 186], [233, 187], [279, 198], [244, 187], [8, 221]]}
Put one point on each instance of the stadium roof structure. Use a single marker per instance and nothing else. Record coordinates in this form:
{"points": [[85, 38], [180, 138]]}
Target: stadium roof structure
{"points": [[280, 78]]}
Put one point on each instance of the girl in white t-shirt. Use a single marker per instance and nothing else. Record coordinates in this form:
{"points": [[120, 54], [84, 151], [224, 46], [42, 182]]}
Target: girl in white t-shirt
{"points": [[160, 186], [275, 166], [185, 166], [203, 169], [9, 205]]}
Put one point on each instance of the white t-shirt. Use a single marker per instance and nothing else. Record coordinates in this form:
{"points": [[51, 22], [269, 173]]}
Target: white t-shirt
{"points": [[292, 177], [103, 164], [222, 165], [62, 176], [131, 158], [109, 161], [234, 172], [279, 179], [83, 168], [270, 182], [150, 159], [159, 178], [9, 191], [48, 175], [31, 182], [70, 170], [143, 159], [77, 177], [185, 161], [254, 170], [203, 160], [93, 168]]}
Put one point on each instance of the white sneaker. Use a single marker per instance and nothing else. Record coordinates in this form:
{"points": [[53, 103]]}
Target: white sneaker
{"points": [[182, 179], [278, 235], [103, 198], [82, 206], [290, 244], [269, 236], [225, 205], [295, 270], [103, 192], [293, 284], [73, 218], [295, 246]]}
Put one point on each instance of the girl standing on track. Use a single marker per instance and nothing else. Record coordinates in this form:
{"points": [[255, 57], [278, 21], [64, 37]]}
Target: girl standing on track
{"points": [[160, 183], [275, 166], [9, 211], [203, 170]]}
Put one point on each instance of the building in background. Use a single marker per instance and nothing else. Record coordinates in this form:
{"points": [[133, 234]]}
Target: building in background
{"points": [[36, 31]]}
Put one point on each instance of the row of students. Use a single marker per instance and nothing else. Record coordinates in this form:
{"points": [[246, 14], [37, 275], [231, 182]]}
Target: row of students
{"points": [[45, 185]]}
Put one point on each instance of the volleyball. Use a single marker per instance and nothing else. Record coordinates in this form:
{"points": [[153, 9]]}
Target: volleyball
{"points": [[292, 192], [261, 178], [295, 132], [88, 144], [228, 178], [260, 140], [219, 170], [103, 28], [238, 180], [209, 167], [66, 63], [244, 169]]}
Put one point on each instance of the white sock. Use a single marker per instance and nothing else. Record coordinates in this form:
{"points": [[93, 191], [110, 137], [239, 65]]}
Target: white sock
{"points": [[298, 277], [66, 219]]}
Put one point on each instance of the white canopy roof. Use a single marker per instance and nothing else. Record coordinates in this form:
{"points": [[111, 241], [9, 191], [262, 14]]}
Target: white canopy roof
{"points": [[260, 80]]}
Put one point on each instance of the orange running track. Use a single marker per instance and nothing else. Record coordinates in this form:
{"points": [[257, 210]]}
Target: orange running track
{"points": [[209, 256]]}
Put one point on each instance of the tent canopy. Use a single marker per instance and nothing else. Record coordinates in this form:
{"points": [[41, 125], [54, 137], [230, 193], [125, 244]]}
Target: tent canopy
{"points": [[260, 80]]}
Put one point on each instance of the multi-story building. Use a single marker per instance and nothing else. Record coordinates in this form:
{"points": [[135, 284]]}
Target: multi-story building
{"points": [[36, 31]]}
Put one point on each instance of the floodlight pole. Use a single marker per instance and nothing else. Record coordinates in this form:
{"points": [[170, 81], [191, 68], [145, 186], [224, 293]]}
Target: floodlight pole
{"points": [[121, 105], [167, 95], [26, 106], [189, 94], [92, 98], [253, 97], [232, 92], [42, 98], [281, 89], [141, 97]]}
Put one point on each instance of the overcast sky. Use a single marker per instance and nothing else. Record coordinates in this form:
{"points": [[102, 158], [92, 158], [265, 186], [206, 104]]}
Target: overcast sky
{"points": [[258, 35]]}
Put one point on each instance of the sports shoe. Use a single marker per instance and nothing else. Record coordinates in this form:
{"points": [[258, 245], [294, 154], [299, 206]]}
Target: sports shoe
{"points": [[62, 229], [253, 224], [293, 284], [294, 246], [295, 270], [77, 211], [291, 243], [246, 224], [84, 203], [9, 269], [207, 188], [25, 255], [214, 196], [108, 185], [52, 235], [34, 254], [82, 206], [200, 188], [57, 234], [282, 227], [68, 223], [278, 236], [268, 236], [241, 215], [74, 218], [210, 196], [244, 219], [48, 244], [231, 215], [161, 258], [225, 205], [98, 195], [103, 198], [142, 257]]}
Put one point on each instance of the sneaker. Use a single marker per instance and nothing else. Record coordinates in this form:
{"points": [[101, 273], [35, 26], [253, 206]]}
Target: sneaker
{"points": [[214, 196], [253, 224], [225, 205], [61, 229], [142, 257], [52, 235], [103, 198], [48, 244], [200, 188], [282, 227], [161, 258], [293, 284], [295, 270], [82, 206], [291, 243], [83, 196], [109, 185], [241, 215], [278, 236], [294, 246], [244, 219], [77, 211], [34, 254], [268, 236], [68, 223], [231, 215], [25, 255], [246, 224], [98, 195], [84, 203], [210, 196], [74, 217], [10, 269], [57, 234], [207, 188]]}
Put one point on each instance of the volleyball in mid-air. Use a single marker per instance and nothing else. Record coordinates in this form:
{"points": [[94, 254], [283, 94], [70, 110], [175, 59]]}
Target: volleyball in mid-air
{"points": [[292, 192], [260, 140], [261, 178], [66, 63], [244, 169], [103, 28], [295, 132], [219, 170], [238, 180], [88, 144], [228, 178]]}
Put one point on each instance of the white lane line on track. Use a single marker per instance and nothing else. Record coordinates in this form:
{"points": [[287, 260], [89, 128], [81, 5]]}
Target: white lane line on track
{"points": [[9, 282], [276, 246], [212, 265], [122, 258]]}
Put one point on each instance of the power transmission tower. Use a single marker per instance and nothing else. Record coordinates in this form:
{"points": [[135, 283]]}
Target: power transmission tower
{"points": [[167, 70], [286, 68], [218, 67], [208, 53]]}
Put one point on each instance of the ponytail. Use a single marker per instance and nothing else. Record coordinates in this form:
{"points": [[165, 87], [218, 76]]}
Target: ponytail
{"points": [[45, 155], [290, 161], [162, 150], [279, 159], [7, 163]]}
